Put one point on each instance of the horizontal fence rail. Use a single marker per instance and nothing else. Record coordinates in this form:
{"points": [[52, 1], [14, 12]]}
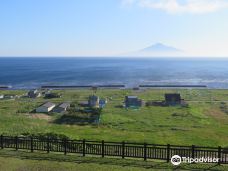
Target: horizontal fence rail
{"points": [[114, 149]]}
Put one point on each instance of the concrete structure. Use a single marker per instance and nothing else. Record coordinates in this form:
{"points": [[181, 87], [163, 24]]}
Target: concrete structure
{"points": [[133, 101], [45, 108], [61, 108]]}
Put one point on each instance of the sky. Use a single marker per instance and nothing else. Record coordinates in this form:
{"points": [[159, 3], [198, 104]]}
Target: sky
{"points": [[112, 27]]}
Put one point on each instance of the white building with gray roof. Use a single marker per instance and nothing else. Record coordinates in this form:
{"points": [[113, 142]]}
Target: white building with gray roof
{"points": [[45, 108]]}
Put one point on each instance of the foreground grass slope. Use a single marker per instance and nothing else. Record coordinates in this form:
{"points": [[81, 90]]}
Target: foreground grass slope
{"points": [[204, 122], [25, 161]]}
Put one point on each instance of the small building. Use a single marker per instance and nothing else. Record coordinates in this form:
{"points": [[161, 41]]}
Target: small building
{"points": [[50, 95], [45, 108], [94, 101], [173, 99], [102, 103], [61, 108], [1, 96], [133, 101], [34, 94]]}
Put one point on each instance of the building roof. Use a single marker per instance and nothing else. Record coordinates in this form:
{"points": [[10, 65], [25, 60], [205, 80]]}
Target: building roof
{"points": [[64, 105], [132, 97], [84, 103], [48, 104]]}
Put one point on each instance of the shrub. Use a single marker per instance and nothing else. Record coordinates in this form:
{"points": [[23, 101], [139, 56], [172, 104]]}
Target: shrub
{"points": [[50, 135]]}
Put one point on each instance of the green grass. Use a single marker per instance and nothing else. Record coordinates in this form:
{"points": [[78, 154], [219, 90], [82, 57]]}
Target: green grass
{"points": [[25, 161], [202, 123]]}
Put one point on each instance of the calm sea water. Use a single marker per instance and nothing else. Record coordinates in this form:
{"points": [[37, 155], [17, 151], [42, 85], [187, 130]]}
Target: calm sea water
{"points": [[34, 72]]}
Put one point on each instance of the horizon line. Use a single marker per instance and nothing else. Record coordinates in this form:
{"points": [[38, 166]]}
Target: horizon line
{"points": [[112, 56]]}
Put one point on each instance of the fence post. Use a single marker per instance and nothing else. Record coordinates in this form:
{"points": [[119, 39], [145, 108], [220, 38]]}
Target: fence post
{"points": [[145, 151], [16, 143], [48, 148], [84, 148], [219, 154], [102, 148], [123, 150], [31, 144], [168, 153], [193, 151], [65, 146], [1, 141]]}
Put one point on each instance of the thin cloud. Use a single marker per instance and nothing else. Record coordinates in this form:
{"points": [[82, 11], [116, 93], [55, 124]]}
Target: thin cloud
{"points": [[180, 6]]}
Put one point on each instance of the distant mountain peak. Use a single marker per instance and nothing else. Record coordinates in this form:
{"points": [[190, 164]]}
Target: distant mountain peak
{"points": [[159, 47], [157, 50]]}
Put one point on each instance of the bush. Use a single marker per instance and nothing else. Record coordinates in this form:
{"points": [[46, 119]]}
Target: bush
{"points": [[50, 135]]}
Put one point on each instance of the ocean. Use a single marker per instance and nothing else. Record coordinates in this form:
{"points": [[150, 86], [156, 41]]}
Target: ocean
{"points": [[26, 73]]}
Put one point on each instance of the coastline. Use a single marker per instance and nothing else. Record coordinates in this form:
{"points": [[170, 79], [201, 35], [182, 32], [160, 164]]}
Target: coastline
{"points": [[123, 87]]}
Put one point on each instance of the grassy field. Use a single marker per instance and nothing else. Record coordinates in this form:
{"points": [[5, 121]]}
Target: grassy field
{"points": [[204, 122], [25, 161]]}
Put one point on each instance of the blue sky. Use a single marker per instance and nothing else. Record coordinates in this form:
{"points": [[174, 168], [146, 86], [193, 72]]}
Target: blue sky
{"points": [[112, 27]]}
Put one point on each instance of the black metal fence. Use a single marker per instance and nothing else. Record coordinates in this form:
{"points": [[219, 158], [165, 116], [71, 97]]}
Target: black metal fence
{"points": [[121, 149]]}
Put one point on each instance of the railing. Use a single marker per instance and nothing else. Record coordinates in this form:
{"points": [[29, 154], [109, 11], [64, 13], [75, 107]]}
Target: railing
{"points": [[115, 149]]}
